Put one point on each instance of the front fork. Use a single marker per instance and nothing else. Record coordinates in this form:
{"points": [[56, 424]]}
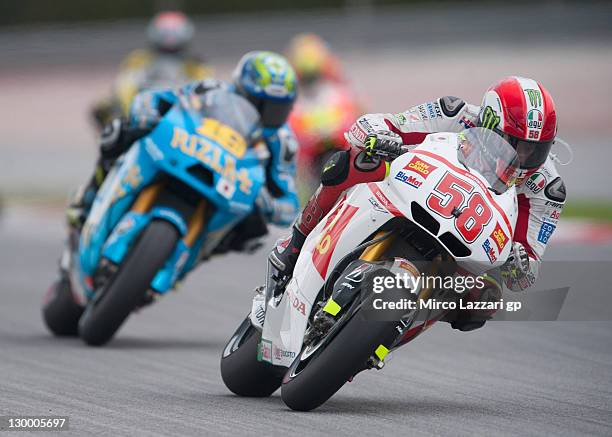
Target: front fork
{"points": [[146, 199], [405, 332], [145, 204]]}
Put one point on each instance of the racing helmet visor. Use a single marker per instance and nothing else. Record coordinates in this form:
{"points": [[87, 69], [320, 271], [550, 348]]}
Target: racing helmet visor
{"points": [[531, 154], [274, 113]]}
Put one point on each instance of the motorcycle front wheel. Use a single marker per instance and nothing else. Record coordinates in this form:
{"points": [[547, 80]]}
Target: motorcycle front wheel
{"points": [[315, 377], [106, 313]]}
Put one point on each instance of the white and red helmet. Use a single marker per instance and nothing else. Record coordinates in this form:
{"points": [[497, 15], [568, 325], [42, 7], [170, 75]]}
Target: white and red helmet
{"points": [[170, 31], [522, 111]]}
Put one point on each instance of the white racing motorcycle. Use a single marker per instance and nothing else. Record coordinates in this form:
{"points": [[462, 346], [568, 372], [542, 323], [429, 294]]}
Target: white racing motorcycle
{"points": [[446, 209]]}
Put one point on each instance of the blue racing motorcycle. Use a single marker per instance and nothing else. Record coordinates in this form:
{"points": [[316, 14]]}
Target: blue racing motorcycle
{"points": [[168, 202]]}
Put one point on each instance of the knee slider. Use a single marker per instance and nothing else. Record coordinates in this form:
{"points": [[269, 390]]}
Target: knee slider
{"points": [[336, 169], [111, 139]]}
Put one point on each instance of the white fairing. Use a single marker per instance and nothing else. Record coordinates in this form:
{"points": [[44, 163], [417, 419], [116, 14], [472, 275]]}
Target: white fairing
{"points": [[364, 209]]}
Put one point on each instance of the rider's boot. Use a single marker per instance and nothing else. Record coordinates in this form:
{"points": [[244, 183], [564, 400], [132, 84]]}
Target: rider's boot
{"points": [[115, 139], [82, 200], [285, 254]]}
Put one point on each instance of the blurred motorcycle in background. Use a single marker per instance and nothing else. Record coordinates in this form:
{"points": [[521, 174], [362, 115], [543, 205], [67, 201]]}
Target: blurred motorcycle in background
{"points": [[167, 203], [163, 65], [326, 109]]}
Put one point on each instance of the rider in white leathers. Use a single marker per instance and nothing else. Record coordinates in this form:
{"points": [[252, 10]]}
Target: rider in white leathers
{"points": [[519, 109]]}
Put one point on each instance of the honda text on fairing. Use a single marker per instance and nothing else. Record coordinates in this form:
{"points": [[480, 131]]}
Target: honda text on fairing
{"points": [[167, 203], [447, 207]]}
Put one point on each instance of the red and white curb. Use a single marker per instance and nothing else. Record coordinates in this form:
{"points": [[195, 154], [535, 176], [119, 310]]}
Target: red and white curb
{"points": [[582, 231]]}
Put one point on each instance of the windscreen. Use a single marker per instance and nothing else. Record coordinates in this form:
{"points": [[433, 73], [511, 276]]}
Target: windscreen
{"points": [[490, 155], [228, 108]]}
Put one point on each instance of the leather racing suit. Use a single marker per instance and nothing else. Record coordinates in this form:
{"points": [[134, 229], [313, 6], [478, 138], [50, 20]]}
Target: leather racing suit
{"points": [[147, 69], [540, 193], [277, 200]]}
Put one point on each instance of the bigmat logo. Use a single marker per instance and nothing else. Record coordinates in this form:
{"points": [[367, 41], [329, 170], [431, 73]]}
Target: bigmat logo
{"points": [[488, 249], [408, 179]]}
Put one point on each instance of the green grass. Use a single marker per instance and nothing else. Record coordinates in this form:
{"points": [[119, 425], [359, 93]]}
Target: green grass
{"points": [[600, 211]]}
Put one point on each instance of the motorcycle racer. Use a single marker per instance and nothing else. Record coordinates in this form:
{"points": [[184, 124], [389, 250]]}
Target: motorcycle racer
{"points": [[269, 83], [165, 63], [326, 109], [519, 109]]}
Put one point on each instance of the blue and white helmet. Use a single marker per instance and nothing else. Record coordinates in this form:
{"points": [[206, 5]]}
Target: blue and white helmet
{"points": [[269, 82]]}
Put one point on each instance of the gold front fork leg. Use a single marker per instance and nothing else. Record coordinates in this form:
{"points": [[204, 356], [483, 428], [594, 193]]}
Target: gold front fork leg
{"points": [[377, 250]]}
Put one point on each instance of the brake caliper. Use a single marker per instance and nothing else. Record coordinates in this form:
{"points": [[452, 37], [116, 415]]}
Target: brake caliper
{"points": [[320, 325]]}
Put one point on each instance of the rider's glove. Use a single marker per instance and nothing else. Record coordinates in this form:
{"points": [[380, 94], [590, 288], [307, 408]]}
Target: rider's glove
{"points": [[386, 144], [516, 271], [145, 110]]}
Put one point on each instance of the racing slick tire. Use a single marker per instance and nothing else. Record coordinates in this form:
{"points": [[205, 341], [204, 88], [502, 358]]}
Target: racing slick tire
{"points": [[126, 290], [242, 373], [311, 381], [61, 312]]}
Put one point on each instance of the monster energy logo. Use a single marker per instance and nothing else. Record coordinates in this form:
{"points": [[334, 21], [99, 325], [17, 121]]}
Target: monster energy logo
{"points": [[535, 98], [490, 120], [370, 142]]}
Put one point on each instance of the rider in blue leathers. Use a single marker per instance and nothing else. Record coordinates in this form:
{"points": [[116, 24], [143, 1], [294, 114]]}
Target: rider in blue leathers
{"points": [[268, 81]]}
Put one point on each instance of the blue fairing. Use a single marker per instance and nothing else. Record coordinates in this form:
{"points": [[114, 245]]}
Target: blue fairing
{"points": [[179, 146]]}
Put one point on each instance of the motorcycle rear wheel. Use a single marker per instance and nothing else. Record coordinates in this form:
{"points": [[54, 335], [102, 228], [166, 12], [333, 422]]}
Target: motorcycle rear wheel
{"points": [[241, 372], [61, 312]]}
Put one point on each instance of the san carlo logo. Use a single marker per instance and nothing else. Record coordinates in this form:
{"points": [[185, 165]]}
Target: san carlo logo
{"points": [[536, 182], [421, 167], [499, 237], [414, 173], [534, 119]]}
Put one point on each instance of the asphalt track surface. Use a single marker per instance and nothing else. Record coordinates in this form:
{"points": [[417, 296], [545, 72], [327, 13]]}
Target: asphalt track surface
{"points": [[160, 376]]}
